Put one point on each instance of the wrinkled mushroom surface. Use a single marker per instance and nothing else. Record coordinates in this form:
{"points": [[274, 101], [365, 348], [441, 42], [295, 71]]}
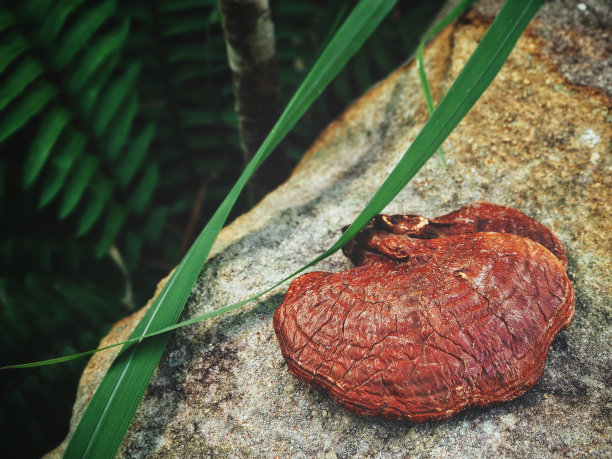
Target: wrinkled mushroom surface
{"points": [[428, 328], [383, 237]]}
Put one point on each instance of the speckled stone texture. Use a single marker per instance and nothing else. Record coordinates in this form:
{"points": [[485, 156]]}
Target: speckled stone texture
{"points": [[538, 140]]}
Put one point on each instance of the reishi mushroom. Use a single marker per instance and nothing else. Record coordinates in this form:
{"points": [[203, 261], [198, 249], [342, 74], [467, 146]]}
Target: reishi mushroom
{"points": [[439, 315]]}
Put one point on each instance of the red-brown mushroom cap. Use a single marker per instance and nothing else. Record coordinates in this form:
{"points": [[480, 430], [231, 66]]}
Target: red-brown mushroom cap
{"points": [[382, 238], [465, 320]]}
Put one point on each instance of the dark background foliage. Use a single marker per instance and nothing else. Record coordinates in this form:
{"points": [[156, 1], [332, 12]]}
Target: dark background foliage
{"points": [[118, 140]]}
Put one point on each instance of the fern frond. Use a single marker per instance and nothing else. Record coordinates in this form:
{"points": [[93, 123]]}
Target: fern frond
{"points": [[24, 109], [120, 128], [100, 195], [72, 41], [134, 157], [114, 220], [61, 165], [27, 71], [78, 183], [96, 55], [55, 19], [113, 98], [50, 129]]}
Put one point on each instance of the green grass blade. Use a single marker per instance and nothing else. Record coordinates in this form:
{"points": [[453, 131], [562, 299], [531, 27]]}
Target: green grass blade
{"points": [[471, 83], [450, 17], [479, 71], [473, 80], [113, 405]]}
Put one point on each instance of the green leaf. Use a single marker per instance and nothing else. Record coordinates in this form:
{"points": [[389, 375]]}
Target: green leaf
{"points": [[120, 128], [133, 248], [155, 223], [101, 193], [78, 184], [61, 164], [34, 8], [55, 19], [93, 89], [26, 72], [198, 117], [111, 409], [188, 52], [185, 24], [113, 98], [78, 36], [6, 19], [96, 54], [24, 109], [470, 84], [176, 5], [50, 129], [144, 191], [135, 156], [11, 48], [454, 14], [114, 221]]}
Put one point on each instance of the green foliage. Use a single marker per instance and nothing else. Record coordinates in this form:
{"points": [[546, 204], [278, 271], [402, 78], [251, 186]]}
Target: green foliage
{"points": [[109, 413], [114, 116]]}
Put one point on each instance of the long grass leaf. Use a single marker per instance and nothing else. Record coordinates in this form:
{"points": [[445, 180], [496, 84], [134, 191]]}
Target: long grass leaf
{"points": [[473, 80], [454, 14], [465, 90], [112, 407], [453, 107]]}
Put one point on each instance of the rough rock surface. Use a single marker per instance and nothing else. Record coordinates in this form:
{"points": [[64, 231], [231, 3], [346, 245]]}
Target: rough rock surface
{"points": [[538, 140]]}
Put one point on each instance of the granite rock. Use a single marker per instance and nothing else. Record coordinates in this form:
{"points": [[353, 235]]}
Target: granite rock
{"points": [[538, 140]]}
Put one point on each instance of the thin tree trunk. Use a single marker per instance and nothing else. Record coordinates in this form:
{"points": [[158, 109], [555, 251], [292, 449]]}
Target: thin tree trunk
{"points": [[249, 36]]}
